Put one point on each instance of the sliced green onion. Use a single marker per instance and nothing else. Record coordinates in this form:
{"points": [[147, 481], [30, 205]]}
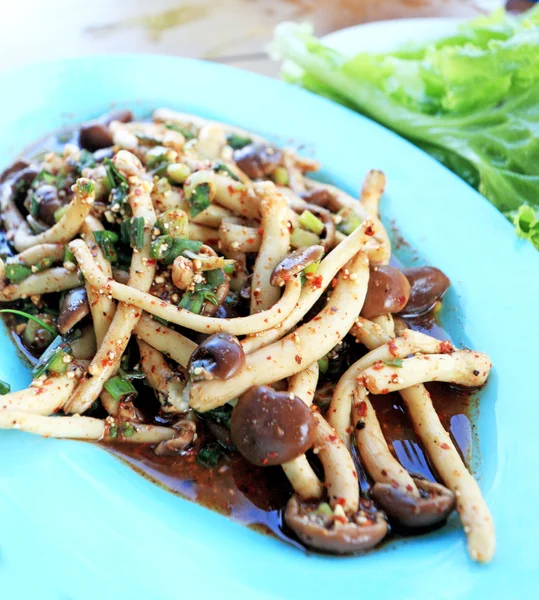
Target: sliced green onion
{"points": [[178, 172], [127, 429], [311, 269], [229, 269], [160, 320], [280, 176], [50, 328], [59, 213], [199, 199], [147, 139], [161, 247], [311, 222], [69, 256], [44, 176], [396, 362], [118, 387], [214, 278], [158, 164], [137, 233], [34, 206], [237, 142], [174, 222], [5, 388], [350, 221], [117, 184], [324, 510], [323, 364], [106, 240], [301, 238], [59, 362], [44, 263], [16, 272]]}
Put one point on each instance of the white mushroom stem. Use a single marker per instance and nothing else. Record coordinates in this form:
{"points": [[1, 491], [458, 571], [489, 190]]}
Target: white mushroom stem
{"points": [[299, 472], [56, 279], [211, 216], [313, 289], [206, 235], [372, 191], [166, 340], [238, 237], [130, 295], [35, 254], [408, 343], [274, 245], [141, 274], [68, 226], [211, 140], [102, 306], [43, 397], [306, 345], [339, 470], [463, 367], [76, 427], [167, 385], [382, 466], [471, 506], [386, 323]]}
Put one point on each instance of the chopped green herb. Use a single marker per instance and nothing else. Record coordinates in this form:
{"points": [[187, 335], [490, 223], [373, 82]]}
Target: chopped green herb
{"points": [[188, 135], [210, 454], [396, 362], [311, 269], [113, 432], [44, 263], [118, 387], [59, 362], [220, 167], [53, 360], [157, 165], [161, 247], [50, 328], [44, 177], [34, 205], [87, 161], [16, 272], [229, 269], [147, 139], [106, 241], [215, 277], [5, 388], [199, 199], [221, 415], [118, 185], [311, 222], [237, 141], [137, 233]]}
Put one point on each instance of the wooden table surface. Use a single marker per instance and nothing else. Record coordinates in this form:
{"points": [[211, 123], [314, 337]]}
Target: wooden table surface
{"points": [[231, 31]]}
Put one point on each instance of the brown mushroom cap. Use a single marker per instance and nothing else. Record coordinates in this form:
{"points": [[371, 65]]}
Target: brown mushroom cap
{"points": [[96, 134], [219, 356], [49, 202], [428, 285], [433, 507], [16, 167], [74, 308], [388, 292], [320, 197], [364, 530], [294, 263], [271, 428], [258, 159]]}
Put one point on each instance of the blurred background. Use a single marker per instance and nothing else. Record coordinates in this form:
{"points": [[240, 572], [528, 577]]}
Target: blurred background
{"points": [[230, 31]]}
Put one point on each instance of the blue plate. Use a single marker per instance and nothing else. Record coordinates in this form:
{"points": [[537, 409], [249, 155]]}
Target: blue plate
{"points": [[76, 523]]}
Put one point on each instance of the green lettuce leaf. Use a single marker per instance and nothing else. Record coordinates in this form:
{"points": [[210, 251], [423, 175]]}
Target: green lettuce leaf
{"points": [[471, 99]]}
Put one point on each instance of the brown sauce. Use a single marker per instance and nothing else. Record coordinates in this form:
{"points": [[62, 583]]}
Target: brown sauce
{"points": [[257, 496]]}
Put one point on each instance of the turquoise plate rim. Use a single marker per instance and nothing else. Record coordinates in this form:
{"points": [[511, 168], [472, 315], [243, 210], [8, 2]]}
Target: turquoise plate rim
{"points": [[77, 523]]}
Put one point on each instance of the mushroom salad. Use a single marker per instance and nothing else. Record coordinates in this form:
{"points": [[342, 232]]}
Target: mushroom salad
{"points": [[191, 297]]}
